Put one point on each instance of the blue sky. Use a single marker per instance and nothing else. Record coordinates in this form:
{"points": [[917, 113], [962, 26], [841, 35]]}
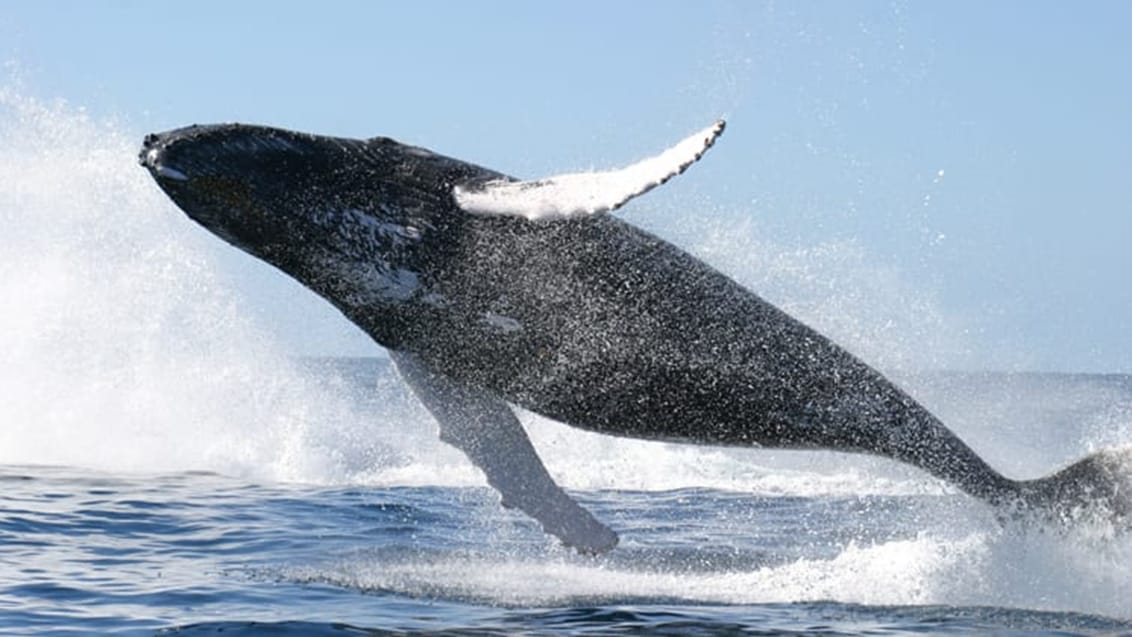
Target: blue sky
{"points": [[841, 117]]}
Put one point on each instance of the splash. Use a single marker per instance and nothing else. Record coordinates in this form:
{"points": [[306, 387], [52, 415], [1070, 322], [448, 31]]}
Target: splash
{"points": [[836, 288], [122, 345], [966, 565], [126, 348]]}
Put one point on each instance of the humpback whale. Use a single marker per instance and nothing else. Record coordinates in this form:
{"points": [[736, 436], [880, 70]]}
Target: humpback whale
{"points": [[491, 292]]}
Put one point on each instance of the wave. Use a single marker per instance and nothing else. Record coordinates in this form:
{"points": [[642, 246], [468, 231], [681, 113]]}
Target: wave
{"points": [[953, 556]]}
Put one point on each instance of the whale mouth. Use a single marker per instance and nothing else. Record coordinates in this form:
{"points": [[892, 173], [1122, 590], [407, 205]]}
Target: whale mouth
{"points": [[231, 151], [153, 158], [168, 172], [186, 164]]}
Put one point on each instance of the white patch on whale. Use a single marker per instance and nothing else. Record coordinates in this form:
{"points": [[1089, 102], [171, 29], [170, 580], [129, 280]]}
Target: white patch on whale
{"points": [[368, 283], [170, 173], [358, 263], [163, 170], [501, 323], [586, 193]]}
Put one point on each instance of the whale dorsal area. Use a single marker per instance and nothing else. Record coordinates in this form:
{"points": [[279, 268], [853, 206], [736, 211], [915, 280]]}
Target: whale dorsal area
{"points": [[585, 193]]}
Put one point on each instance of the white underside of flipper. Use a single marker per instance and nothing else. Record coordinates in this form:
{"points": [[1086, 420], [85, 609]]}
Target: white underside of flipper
{"points": [[487, 431], [586, 193]]}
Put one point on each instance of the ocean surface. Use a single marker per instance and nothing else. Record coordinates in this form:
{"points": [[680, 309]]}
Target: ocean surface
{"points": [[713, 541], [168, 467]]}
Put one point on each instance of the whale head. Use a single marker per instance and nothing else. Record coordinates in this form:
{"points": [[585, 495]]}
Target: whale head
{"points": [[252, 186], [345, 217]]}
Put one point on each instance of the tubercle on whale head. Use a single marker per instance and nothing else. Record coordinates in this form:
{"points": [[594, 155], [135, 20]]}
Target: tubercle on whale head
{"points": [[291, 170]]}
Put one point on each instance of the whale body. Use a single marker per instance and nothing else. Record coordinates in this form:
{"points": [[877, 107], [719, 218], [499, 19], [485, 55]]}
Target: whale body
{"points": [[491, 292]]}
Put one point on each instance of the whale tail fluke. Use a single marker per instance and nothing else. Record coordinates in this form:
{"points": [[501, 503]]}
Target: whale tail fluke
{"points": [[1094, 490]]}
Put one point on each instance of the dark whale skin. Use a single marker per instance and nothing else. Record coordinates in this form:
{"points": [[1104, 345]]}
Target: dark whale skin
{"points": [[590, 321]]}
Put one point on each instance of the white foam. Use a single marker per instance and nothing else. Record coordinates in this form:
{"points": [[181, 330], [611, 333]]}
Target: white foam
{"points": [[970, 566], [121, 345]]}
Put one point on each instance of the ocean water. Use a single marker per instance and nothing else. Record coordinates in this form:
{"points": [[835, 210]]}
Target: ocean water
{"points": [[166, 467]]}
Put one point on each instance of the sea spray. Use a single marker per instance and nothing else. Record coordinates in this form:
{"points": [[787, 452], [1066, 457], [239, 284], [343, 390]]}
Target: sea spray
{"points": [[128, 348], [122, 346]]}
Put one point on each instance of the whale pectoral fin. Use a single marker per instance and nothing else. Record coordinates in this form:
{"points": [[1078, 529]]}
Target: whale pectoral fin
{"points": [[587, 193], [487, 431]]}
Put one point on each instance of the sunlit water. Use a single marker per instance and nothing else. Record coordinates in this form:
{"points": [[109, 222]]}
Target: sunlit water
{"points": [[165, 467]]}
